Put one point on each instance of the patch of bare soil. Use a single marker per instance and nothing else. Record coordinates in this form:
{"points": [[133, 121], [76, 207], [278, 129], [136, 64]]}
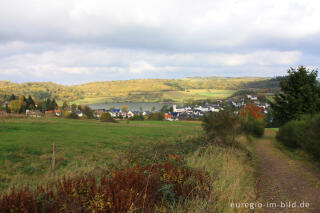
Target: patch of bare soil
{"points": [[287, 185]]}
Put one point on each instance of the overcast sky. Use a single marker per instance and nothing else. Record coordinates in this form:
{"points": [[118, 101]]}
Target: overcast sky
{"points": [[76, 41]]}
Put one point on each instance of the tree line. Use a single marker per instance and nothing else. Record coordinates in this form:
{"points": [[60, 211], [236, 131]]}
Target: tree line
{"points": [[19, 104]]}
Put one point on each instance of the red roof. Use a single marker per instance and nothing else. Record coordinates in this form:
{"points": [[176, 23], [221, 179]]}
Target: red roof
{"points": [[3, 112], [166, 116]]}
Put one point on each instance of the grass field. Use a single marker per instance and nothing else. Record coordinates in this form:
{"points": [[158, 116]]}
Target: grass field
{"points": [[96, 100], [82, 145], [214, 93], [89, 146]]}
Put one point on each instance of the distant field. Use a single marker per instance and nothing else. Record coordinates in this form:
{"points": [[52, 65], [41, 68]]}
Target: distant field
{"points": [[82, 146], [214, 93], [97, 100], [171, 96], [197, 94]]}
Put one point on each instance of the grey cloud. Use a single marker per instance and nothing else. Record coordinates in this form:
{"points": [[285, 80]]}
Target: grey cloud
{"points": [[94, 40]]}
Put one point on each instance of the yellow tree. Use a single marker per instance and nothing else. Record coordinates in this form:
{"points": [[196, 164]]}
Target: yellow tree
{"points": [[124, 108], [16, 105]]}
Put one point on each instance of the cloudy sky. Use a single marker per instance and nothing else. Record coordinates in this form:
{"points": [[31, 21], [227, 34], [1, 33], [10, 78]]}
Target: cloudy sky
{"points": [[76, 41]]}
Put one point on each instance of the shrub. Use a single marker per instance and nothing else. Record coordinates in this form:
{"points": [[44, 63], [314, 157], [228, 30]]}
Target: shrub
{"points": [[106, 117], [254, 127], [73, 115], [292, 133], [87, 111], [65, 113], [252, 120], [221, 127], [258, 128], [159, 116], [137, 117], [303, 134], [311, 140]]}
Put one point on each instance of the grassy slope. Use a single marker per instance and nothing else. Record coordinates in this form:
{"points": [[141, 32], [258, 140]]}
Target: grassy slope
{"points": [[82, 146]]}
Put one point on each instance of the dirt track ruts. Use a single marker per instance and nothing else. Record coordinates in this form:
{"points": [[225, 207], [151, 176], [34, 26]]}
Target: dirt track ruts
{"points": [[284, 179]]}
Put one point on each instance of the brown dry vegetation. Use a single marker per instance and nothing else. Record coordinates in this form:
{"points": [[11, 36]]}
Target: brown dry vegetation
{"points": [[136, 189]]}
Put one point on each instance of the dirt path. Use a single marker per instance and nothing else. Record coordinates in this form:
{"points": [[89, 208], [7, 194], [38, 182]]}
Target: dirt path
{"points": [[284, 179]]}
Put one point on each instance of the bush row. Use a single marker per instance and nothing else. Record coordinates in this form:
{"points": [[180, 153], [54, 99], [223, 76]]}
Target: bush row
{"points": [[254, 127], [303, 134], [223, 127]]}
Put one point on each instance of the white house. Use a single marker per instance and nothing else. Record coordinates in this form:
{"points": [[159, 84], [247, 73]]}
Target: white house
{"points": [[202, 109], [130, 114], [213, 109], [58, 112], [79, 113], [188, 108], [235, 104], [33, 113], [179, 110], [252, 97]]}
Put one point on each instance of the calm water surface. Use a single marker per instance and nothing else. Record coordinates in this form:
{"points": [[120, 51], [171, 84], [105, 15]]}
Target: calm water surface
{"points": [[133, 106]]}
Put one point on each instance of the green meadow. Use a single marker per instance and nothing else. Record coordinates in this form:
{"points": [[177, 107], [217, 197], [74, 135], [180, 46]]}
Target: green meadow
{"points": [[93, 147], [81, 145]]}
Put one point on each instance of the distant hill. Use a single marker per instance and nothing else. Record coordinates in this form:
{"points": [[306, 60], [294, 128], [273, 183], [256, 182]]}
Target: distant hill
{"points": [[145, 90]]}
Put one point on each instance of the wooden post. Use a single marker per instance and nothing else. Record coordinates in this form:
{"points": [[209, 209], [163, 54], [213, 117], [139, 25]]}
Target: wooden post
{"points": [[53, 158]]}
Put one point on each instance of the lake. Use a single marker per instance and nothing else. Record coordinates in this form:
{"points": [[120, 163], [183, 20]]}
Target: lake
{"points": [[133, 106]]}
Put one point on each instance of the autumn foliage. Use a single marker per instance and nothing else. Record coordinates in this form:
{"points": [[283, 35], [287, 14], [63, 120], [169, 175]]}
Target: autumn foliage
{"points": [[252, 120], [137, 189], [177, 158], [253, 111]]}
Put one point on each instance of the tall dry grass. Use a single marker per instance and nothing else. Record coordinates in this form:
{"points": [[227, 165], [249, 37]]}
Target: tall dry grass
{"points": [[234, 178]]}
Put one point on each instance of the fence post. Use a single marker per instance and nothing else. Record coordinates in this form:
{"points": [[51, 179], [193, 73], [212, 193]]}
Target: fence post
{"points": [[53, 159]]}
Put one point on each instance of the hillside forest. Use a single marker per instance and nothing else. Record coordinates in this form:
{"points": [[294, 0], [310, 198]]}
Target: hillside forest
{"points": [[141, 90]]}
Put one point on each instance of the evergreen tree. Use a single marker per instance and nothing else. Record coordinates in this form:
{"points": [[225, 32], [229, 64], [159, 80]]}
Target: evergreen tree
{"points": [[47, 105], [7, 108], [65, 105], [42, 106], [30, 103], [12, 97], [87, 111], [300, 95], [53, 104], [74, 107]]}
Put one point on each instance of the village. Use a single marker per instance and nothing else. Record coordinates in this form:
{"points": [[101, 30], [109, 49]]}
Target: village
{"points": [[170, 112]]}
